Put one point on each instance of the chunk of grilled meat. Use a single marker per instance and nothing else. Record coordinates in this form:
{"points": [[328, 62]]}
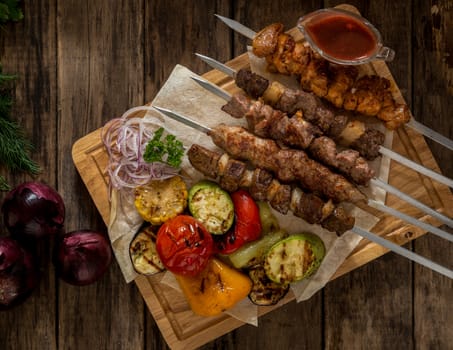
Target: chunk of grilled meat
{"points": [[233, 174], [369, 95], [338, 125], [289, 165]]}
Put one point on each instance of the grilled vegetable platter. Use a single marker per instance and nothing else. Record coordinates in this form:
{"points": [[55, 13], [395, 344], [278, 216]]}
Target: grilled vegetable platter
{"points": [[221, 230]]}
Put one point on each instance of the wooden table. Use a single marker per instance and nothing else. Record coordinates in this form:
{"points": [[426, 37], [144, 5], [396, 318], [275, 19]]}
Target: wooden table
{"points": [[83, 63]]}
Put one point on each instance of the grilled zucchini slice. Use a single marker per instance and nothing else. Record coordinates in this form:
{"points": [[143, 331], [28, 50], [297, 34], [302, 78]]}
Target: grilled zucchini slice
{"points": [[294, 258], [212, 206], [253, 253]]}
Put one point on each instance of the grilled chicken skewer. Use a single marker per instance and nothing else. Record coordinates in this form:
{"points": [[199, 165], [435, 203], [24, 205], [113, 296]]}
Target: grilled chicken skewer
{"points": [[393, 115], [233, 174], [367, 141], [294, 132], [363, 233]]}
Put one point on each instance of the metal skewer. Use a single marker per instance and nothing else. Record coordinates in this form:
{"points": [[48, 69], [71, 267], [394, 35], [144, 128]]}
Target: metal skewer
{"points": [[384, 151], [366, 234], [420, 128]]}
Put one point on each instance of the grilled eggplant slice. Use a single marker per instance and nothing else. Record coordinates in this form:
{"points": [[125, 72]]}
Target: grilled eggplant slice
{"points": [[264, 291], [143, 253], [294, 258]]}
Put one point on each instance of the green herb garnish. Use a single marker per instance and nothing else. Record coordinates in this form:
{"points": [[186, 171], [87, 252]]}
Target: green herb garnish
{"points": [[10, 11], [14, 147], [169, 150]]}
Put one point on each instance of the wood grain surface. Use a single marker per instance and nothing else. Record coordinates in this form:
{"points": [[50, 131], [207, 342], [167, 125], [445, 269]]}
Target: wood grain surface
{"points": [[82, 63]]}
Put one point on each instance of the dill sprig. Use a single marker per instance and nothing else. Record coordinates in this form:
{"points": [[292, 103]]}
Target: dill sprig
{"points": [[14, 146]]}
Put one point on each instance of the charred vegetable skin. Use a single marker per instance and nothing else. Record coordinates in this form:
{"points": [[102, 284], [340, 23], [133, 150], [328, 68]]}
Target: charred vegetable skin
{"points": [[294, 258], [160, 200], [144, 254], [247, 224], [212, 206], [215, 289], [184, 245], [264, 291]]}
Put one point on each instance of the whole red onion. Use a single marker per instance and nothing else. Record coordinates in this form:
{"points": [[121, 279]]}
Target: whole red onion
{"points": [[33, 209], [82, 257], [18, 273]]}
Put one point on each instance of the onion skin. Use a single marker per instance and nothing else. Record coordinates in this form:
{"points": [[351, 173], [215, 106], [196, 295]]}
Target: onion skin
{"points": [[18, 273], [82, 257], [33, 209]]}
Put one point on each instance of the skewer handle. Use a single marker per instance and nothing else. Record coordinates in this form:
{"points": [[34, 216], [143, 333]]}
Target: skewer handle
{"points": [[430, 133], [415, 166], [404, 252], [388, 188], [411, 220]]}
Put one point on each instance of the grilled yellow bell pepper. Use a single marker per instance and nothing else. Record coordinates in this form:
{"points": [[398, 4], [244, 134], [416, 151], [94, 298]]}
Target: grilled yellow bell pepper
{"points": [[216, 289], [161, 200]]}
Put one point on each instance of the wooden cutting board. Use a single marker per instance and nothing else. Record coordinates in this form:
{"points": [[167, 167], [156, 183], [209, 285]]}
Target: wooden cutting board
{"points": [[184, 330]]}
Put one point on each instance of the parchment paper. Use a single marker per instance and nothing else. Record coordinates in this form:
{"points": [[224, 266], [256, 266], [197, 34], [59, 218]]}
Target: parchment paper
{"points": [[181, 94]]}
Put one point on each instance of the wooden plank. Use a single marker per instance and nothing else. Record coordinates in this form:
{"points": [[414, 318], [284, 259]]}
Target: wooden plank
{"points": [[432, 90], [100, 75], [370, 301], [30, 54]]}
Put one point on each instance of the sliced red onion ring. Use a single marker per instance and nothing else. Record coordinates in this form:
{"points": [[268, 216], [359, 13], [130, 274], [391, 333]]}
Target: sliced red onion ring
{"points": [[125, 140]]}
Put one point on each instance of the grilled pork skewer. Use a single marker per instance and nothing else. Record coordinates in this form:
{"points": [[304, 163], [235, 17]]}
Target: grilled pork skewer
{"points": [[369, 143], [363, 233], [340, 82], [233, 174], [287, 165]]}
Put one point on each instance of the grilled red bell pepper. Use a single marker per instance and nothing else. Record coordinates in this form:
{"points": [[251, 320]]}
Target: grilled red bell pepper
{"points": [[246, 227]]}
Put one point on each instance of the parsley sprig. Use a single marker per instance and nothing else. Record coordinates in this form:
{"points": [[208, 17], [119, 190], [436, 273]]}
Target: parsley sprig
{"points": [[168, 150]]}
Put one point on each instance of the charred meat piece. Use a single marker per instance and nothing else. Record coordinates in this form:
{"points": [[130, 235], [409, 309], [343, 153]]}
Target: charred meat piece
{"points": [[348, 162], [237, 106], [254, 84]]}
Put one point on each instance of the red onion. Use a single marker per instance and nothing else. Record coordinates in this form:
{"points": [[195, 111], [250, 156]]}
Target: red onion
{"points": [[18, 274], [82, 257], [33, 209]]}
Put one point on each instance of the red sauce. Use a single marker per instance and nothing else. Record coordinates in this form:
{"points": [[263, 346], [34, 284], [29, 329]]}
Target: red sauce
{"points": [[342, 37]]}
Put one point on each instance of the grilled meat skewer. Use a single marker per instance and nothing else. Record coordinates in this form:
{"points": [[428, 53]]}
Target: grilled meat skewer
{"points": [[233, 174], [289, 165], [333, 123], [266, 122]]}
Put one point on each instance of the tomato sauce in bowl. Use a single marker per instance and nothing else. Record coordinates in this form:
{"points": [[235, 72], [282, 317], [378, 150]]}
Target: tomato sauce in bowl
{"points": [[343, 37]]}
